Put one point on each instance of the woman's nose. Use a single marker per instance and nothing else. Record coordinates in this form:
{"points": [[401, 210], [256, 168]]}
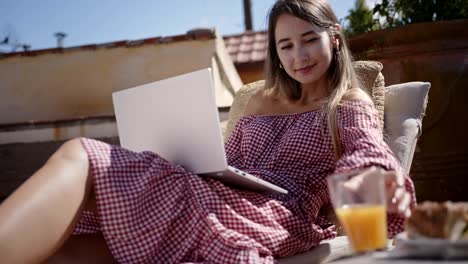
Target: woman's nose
{"points": [[301, 53]]}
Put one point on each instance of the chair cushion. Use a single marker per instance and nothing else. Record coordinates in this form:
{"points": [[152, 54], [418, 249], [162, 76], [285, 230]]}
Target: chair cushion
{"points": [[368, 73], [372, 81], [405, 105]]}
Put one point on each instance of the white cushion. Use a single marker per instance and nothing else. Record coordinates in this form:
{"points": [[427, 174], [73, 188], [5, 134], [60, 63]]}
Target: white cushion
{"points": [[405, 104]]}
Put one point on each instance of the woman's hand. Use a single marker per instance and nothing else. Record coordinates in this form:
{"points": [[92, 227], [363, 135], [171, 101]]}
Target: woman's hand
{"points": [[398, 198]]}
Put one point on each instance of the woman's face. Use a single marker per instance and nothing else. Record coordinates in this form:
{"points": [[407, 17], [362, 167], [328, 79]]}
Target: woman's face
{"points": [[305, 54]]}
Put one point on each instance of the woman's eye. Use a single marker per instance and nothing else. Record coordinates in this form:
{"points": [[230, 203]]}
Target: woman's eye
{"points": [[311, 40], [286, 47]]}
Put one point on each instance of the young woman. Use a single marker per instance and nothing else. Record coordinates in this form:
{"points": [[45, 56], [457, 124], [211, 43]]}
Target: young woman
{"points": [[310, 121]]}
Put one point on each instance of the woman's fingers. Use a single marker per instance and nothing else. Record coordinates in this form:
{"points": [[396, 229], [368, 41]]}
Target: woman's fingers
{"points": [[393, 200], [400, 202], [390, 190], [398, 199], [394, 178], [391, 186], [404, 206]]}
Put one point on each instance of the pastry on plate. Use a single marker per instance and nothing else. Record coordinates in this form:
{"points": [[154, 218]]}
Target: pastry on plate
{"points": [[445, 220]]}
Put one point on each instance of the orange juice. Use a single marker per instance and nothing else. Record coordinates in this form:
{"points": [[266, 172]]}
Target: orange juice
{"points": [[365, 226]]}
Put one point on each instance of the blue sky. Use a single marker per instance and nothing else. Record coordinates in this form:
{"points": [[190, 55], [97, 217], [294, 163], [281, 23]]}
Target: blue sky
{"points": [[34, 22]]}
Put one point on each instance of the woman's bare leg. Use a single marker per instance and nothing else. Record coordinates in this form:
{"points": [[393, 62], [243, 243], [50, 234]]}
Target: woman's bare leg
{"points": [[40, 215], [87, 248]]}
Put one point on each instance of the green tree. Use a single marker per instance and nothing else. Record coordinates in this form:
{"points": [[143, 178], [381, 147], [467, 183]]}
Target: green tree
{"points": [[360, 19], [449, 10], [402, 12], [390, 11]]}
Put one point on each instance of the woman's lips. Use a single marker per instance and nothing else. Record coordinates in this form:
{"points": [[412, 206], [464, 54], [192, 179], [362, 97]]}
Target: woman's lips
{"points": [[304, 70]]}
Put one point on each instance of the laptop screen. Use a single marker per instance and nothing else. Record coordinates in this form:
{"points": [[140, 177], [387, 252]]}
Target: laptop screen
{"points": [[176, 118]]}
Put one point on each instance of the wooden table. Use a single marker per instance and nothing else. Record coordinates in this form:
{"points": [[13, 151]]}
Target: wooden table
{"points": [[368, 259], [338, 251]]}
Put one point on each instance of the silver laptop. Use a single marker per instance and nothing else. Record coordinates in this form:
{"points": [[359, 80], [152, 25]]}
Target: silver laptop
{"points": [[177, 118]]}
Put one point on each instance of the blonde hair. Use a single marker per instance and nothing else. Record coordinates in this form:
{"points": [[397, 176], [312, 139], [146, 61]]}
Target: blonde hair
{"points": [[341, 75]]}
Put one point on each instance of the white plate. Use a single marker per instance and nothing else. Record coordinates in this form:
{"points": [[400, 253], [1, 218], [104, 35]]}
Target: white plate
{"points": [[429, 248]]}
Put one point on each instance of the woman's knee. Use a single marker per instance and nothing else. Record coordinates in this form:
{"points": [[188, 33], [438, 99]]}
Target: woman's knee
{"points": [[72, 150], [71, 164]]}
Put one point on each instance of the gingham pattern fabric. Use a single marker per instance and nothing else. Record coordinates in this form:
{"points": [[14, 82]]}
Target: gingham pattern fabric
{"points": [[151, 211]]}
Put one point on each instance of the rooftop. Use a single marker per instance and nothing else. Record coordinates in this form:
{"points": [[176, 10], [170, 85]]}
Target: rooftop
{"points": [[249, 47], [198, 34]]}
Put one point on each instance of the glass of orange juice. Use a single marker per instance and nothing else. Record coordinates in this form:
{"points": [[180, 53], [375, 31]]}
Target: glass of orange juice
{"points": [[358, 198]]}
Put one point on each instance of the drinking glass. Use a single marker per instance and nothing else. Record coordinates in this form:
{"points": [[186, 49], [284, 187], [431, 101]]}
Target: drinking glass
{"points": [[358, 198]]}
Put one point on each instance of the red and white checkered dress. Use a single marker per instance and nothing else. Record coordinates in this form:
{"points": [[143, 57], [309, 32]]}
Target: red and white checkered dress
{"points": [[152, 211]]}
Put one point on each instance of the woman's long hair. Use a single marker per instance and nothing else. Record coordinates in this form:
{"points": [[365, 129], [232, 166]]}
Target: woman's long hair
{"points": [[341, 75]]}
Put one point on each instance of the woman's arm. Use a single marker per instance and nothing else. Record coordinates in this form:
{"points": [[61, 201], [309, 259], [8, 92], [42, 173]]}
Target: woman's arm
{"points": [[363, 146]]}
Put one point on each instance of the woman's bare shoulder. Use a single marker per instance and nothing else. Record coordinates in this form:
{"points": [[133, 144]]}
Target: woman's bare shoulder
{"points": [[356, 94], [258, 102]]}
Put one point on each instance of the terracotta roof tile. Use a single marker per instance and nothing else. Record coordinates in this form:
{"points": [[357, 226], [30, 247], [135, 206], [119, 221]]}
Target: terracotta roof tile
{"points": [[246, 39], [232, 41], [259, 46], [242, 57], [232, 49], [257, 56], [249, 47], [245, 47]]}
